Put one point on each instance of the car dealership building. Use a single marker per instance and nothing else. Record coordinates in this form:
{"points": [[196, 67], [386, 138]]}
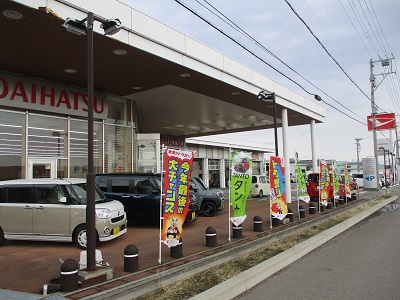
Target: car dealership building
{"points": [[153, 86]]}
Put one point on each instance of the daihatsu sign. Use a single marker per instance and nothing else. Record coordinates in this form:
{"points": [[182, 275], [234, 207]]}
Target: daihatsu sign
{"points": [[383, 122]]}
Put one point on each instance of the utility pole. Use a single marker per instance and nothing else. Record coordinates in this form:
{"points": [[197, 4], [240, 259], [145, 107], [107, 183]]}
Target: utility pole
{"points": [[387, 62], [358, 153]]}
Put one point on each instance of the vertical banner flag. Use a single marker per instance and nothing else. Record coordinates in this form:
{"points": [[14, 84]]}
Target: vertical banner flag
{"points": [[177, 167], [346, 181], [242, 170], [301, 182], [324, 182], [336, 191], [278, 207]]}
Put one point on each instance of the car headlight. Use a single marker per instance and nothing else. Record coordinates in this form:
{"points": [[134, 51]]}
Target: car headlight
{"points": [[220, 194], [103, 213]]}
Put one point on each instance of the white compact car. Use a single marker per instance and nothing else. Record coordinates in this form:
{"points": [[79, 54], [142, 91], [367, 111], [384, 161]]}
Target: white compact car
{"points": [[55, 210], [259, 186], [358, 178]]}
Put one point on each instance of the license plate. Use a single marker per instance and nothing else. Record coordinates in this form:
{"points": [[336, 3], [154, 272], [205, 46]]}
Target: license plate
{"points": [[116, 230]]}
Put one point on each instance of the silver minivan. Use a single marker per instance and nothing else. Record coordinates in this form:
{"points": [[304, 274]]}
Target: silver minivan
{"points": [[55, 210]]}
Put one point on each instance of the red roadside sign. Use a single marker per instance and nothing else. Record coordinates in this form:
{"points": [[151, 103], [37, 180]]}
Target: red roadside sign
{"points": [[383, 122]]}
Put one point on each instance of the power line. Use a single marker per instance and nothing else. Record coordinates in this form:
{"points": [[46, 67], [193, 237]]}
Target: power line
{"points": [[238, 28], [326, 50], [242, 46]]}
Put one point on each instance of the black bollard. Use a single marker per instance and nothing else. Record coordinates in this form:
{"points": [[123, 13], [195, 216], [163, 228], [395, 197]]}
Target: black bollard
{"points": [[131, 258], [177, 251], [329, 206], [69, 276], [275, 221], [321, 207], [353, 196], [341, 201], [312, 209], [211, 237], [258, 225], [237, 231], [290, 215], [302, 211]]}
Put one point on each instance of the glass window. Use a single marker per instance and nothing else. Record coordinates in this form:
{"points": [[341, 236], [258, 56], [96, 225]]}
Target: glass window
{"points": [[116, 112], [77, 192], [12, 157], [47, 136], [213, 164], [102, 183], [18, 195], [120, 185], [78, 137], [118, 147], [48, 195]]}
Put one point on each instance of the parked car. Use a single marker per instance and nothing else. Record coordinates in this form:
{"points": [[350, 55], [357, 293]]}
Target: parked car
{"points": [[259, 185], [383, 181], [55, 210], [293, 178], [313, 187], [352, 182], [140, 194], [358, 178], [209, 201]]}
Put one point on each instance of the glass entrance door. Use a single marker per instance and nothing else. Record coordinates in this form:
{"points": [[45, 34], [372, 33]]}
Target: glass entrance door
{"points": [[42, 168]]}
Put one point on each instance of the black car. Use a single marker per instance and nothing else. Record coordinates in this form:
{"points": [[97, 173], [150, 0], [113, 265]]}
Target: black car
{"points": [[140, 194]]}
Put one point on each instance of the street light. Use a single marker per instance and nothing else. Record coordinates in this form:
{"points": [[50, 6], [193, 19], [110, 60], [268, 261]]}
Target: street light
{"points": [[82, 27], [263, 95]]}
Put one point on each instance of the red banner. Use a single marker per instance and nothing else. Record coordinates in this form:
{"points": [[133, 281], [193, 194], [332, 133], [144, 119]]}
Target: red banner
{"points": [[383, 122], [177, 167]]}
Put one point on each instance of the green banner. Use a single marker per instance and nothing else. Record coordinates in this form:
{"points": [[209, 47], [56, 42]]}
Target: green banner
{"points": [[240, 184], [336, 192], [301, 184]]}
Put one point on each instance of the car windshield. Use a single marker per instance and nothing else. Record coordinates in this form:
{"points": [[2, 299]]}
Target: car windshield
{"points": [[200, 182], [78, 192], [158, 181], [313, 177]]}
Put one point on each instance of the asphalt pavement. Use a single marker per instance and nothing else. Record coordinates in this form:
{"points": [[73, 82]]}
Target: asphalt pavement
{"points": [[361, 263], [321, 274]]}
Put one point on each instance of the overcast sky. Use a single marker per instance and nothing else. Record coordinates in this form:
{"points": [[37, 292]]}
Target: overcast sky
{"points": [[352, 31]]}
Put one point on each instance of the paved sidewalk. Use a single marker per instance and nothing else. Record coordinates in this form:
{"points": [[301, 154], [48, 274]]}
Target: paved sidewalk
{"points": [[13, 295]]}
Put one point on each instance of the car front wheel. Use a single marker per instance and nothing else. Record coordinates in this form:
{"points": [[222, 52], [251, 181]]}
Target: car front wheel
{"points": [[209, 209], [80, 237]]}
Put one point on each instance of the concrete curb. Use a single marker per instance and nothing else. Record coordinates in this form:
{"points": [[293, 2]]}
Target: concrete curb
{"points": [[239, 284]]}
